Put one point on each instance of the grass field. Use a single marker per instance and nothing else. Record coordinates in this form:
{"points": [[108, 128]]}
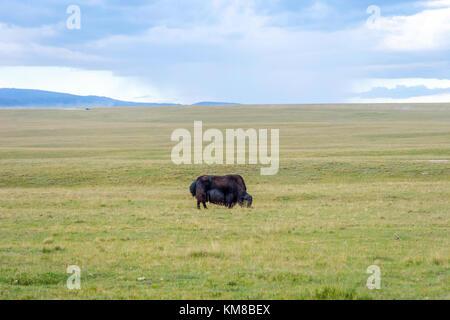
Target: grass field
{"points": [[357, 186]]}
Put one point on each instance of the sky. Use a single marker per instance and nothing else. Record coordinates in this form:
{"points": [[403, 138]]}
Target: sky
{"points": [[245, 51]]}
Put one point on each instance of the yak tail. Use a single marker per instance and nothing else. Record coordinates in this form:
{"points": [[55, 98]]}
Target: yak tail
{"points": [[193, 187]]}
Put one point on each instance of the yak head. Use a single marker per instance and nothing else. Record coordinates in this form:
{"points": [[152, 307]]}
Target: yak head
{"points": [[246, 198]]}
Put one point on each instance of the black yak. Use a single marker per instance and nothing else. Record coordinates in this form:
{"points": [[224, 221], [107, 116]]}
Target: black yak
{"points": [[223, 190]]}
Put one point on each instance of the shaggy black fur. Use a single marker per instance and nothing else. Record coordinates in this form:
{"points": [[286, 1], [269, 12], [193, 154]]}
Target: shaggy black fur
{"points": [[223, 190]]}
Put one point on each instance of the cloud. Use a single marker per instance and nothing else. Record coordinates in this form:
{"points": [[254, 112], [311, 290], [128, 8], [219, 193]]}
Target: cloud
{"points": [[227, 20], [407, 90], [80, 82], [400, 92], [434, 4], [438, 98], [366, 85], [20, 46], [12, 33], [425, 30], [239, 54], [246, 51]]}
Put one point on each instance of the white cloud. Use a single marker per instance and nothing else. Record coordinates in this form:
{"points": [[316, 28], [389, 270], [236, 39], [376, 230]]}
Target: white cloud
{"points": [[434, 4], [12, 33], [227, 19], [435, 98], [402, 66], [230, 50], [318, 9], [80, 82], [365, 85], [23, 45], [425, 30]]}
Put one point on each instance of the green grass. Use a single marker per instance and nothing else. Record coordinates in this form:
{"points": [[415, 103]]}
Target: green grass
{"points": [[97, 189]]}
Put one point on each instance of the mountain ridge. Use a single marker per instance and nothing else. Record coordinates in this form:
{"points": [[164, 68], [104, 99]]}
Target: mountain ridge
{"points": [[32, 98]]}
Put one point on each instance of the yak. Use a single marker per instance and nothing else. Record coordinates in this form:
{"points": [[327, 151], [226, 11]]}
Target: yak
{"points": [[223, 190]]}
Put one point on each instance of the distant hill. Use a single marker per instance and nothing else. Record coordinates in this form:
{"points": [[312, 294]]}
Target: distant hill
{"points": [[30, 98], [211, 103], [40, 98]]}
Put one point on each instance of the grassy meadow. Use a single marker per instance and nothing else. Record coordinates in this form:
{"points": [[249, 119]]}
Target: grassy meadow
{"points": [[358, 185]]}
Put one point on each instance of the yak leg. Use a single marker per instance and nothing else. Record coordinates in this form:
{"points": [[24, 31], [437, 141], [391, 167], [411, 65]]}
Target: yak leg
{"points": [[229, 201], [202, 198]]}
